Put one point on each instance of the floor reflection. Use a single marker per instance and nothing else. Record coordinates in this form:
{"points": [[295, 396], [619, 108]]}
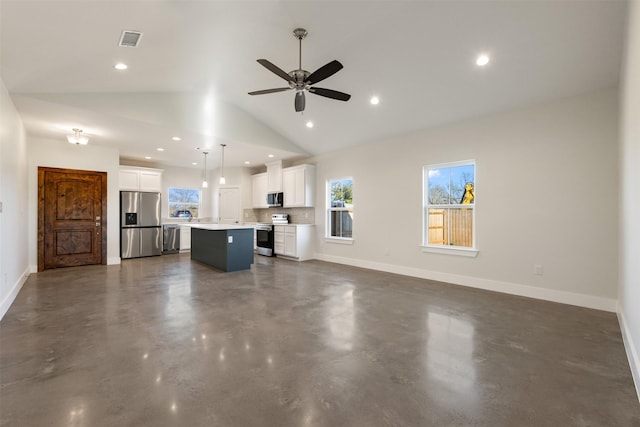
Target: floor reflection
{"points": [[449, 353], [341, 319]]}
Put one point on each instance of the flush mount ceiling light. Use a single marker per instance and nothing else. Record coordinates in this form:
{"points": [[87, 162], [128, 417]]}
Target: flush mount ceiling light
{"points": [[120, 66], [222, 179], [482, 60], [309, 124], [374, 100], [77, 138], [205, 184]]}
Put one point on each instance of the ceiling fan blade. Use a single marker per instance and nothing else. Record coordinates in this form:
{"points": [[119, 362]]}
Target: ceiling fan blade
{"points": [[333, 94], [275, 69], [323, 72], [299, 101], [262, 92]]}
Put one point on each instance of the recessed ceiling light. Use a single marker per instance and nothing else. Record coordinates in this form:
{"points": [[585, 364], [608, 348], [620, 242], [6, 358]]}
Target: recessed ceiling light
{"points": [[194, 164], [374, 100], [482, 60], [177, 138], [309, 124], [270, 155], [147, 157], [247, 162], [160, 149], [120, 66]]}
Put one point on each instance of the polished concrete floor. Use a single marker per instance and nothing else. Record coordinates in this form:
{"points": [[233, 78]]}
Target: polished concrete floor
{"points": [[169, 342]]}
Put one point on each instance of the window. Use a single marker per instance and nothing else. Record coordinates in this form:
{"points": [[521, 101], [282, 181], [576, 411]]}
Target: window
{"points": [[449, 205], [184, 202], [340, 208]]}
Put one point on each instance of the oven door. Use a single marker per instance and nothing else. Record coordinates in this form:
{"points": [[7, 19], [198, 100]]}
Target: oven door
{"points": [[264, 241]]}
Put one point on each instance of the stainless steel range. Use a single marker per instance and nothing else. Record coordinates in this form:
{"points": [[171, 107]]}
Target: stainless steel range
{"points": [[264, 234]]}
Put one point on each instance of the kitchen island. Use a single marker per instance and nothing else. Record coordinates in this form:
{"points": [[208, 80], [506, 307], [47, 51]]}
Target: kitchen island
{"points": [[225, 247]]}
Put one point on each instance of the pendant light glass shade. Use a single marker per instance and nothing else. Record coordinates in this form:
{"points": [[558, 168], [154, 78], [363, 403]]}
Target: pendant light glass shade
{"points": [[222, 178], [205, 184], [77, 138]]}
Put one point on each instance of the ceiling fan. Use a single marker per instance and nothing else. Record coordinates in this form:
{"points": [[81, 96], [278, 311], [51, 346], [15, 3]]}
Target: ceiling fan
{"points": [[301, 80]]}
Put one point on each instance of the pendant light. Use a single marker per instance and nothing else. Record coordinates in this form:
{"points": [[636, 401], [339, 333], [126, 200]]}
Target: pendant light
{"points": [[205, 184], [77, 138], [222, 179]]}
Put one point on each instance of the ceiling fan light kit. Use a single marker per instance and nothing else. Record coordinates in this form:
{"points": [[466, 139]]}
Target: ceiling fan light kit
{"points": [[301, 80]]}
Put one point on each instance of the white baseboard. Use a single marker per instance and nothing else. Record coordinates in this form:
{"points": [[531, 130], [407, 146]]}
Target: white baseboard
{"points": [[8, 300], [631, 349], [581, 300], [113, 260]]}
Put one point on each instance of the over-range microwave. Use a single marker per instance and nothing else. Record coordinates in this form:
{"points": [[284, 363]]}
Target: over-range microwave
{"points": [[275, 199]]}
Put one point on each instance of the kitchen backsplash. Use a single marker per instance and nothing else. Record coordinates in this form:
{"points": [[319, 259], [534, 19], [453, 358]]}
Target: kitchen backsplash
{"points": [[296, 215]]}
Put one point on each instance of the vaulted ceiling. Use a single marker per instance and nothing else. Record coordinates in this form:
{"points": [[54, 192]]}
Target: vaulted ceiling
{"points": [[196, 62]]}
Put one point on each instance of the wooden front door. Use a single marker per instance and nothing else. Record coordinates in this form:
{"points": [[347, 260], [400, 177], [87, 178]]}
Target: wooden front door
{"points": [[72, 209]]}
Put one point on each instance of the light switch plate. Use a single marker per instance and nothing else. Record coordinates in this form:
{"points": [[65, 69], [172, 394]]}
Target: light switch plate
{"points": [[230, 239]]}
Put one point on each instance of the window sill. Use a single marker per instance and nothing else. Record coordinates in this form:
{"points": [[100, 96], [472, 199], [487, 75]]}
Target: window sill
{"points": [[468, 252], [339, 240]]}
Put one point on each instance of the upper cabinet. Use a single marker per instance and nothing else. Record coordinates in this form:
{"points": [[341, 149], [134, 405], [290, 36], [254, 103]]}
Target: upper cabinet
{"points": [[259, 190], [274, 176], [298, 183], [140, 179]]}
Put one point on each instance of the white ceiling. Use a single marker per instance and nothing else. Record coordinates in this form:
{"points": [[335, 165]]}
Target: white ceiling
{"points": [[197, 60]]}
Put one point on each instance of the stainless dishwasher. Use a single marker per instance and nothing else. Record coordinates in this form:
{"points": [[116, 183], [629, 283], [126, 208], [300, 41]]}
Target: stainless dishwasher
{"points": [[170, 238]]}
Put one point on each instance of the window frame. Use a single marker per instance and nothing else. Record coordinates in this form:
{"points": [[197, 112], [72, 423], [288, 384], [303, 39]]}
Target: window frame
{"points": [[471, 251], [328, 237], [169, 202]]}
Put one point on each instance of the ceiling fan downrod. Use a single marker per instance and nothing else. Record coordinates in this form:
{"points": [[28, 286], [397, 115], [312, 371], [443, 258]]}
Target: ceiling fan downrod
{"points": [[300, 33]]}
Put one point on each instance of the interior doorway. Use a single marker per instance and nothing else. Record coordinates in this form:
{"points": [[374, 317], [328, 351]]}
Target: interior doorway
{"points": [[72, 218], [230, 204]]}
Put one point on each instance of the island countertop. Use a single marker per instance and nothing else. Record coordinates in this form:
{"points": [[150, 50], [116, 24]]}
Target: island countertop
{"points": [[220, 226]]}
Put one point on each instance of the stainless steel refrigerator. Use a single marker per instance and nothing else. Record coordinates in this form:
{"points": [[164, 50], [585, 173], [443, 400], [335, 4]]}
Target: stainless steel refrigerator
{"points": [[141, 232]]}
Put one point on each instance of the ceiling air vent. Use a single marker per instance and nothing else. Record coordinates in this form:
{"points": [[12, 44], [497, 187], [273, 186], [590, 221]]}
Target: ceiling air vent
{"points": [[129, 38]]}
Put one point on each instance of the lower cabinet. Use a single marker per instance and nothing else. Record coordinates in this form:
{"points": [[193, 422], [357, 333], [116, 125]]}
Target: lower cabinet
{"points": [[185, 238], [293, 241]]}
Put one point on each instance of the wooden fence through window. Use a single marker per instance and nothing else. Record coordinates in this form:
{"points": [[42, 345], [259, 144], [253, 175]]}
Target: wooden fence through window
{"points": [[451, 226]]}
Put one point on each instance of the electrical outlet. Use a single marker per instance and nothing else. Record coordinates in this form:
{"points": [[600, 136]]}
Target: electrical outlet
{"points": [[537, 269]]}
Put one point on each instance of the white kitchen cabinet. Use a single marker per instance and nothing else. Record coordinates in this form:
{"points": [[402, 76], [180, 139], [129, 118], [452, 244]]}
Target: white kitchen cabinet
{"points": [[278, 239], [140, 179], [294, 241], [259, 190], [274, 176], [185, 238], [298, 183]]}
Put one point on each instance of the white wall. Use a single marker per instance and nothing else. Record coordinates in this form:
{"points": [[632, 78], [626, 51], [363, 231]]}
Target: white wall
{"points": [[13, 195], [629, 293], [546, 193], [61, 154]]}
